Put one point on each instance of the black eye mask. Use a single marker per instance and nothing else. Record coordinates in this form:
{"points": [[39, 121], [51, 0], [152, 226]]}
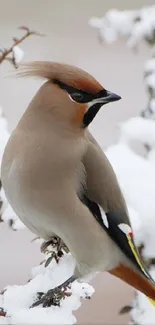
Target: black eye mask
{"points": [[80, 96], [96, 100]]}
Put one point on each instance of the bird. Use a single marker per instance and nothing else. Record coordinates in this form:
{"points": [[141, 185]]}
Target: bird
{"points": [[59, 181]]}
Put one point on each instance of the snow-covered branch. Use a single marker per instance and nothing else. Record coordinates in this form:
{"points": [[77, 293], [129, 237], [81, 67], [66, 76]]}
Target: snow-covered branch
{"points": [[16, 301], [136, 174], [135, 25]]}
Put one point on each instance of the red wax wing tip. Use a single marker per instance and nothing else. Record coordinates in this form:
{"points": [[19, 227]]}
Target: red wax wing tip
{"points": [[131, 234]]}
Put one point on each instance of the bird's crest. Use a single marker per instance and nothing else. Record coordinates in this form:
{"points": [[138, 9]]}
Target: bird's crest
{"points": [[65, 73]]}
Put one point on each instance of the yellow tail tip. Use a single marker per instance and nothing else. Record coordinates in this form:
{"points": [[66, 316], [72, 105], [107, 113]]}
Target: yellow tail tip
{"points": [[152, 301]]}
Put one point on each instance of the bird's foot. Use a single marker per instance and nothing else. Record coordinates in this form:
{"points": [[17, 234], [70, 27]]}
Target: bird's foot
{"points": [[52, 297], [55, 242], [58, 245]]}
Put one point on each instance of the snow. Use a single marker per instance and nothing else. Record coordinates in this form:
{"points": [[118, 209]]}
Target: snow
{"points": [[152, 105], [151, 156], [139, 129], [145, 313], [149, 66], [110, 25], [150, 81], [136, 176], [16, 300], [137, 225], [133, 24], [18, 54], [145, 27]]}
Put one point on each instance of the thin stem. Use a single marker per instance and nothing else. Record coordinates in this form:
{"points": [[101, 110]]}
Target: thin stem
{"points": [[6, 52]]}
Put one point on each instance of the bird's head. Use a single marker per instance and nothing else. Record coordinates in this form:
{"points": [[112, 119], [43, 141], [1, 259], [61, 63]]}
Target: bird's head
{"points": [[72, 92]]}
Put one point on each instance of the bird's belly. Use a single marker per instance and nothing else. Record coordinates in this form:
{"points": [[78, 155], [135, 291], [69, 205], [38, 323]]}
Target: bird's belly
{"points": [[38, 223], [26, 204]]}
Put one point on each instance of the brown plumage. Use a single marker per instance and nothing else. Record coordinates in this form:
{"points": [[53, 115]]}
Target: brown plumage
{"points": [[58, 180]]}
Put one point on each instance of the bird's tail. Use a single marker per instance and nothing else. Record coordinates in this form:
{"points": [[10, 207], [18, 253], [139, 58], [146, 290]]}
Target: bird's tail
{"points": [[136, 280], [137, 274]]}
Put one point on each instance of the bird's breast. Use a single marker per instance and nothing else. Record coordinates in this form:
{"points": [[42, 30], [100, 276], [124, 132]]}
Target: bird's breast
{"points": [[37, 183]]}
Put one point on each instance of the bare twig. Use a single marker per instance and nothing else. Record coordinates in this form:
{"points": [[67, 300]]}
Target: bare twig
{"points": [[2, 312], [6, 52]]}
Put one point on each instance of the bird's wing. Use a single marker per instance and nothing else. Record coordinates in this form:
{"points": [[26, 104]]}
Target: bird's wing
{"points": [[108, 206]]}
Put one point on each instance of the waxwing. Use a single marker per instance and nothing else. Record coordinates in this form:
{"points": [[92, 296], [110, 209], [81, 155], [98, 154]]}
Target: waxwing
{"points": [[59, 181]]}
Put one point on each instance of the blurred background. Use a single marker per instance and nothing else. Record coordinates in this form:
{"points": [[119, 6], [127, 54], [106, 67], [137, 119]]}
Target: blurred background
{"points": [[70, 39]]}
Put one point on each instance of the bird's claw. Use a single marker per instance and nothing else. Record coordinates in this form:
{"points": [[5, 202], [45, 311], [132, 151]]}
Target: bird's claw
{"points": [[58, 245], [52, 297], [55, 242]]}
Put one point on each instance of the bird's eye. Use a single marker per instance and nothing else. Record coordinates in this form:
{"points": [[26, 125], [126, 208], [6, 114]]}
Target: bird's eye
{"points": [[77, 97]]}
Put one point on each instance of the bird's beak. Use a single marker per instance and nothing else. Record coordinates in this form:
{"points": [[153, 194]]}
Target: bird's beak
{"points": [[110, 97], [136, 280], [102, 98]]}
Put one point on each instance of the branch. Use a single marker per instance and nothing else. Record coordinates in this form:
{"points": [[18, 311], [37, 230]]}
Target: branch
{"points": [[10, 50], [16, 301]]}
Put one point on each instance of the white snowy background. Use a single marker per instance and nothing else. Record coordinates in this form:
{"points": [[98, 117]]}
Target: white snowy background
{"points": [[136, 172], [122, 71]]}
